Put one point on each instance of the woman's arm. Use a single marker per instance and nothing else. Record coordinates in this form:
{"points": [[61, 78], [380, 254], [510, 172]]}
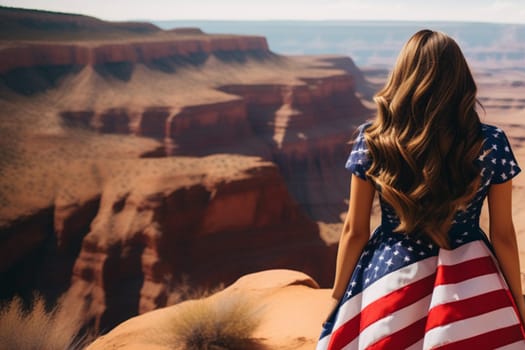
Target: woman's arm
{"points": [[503, 237], [355, 234]]}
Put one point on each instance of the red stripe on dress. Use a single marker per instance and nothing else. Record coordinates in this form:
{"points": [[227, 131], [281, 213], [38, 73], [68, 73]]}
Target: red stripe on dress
{"points": [[343, 335], [448, 274], [396, 300], [515, 307], [380, 308], [401, 339], [465, 308], [489, 340]]}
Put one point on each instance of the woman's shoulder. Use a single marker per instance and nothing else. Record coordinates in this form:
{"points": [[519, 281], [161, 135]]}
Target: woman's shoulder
{"points": [[364, 125], [494, 137], [491, 130], [359, 160], [360, 130], [496, 154]]}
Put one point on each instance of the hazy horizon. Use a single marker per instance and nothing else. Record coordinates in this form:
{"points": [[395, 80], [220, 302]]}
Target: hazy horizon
{"points": [[483, 11], [374, 43]]}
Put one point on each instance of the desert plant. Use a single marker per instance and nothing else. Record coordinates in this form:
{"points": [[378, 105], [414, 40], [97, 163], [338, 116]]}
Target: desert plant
{"points": [[34, 327], [224, 321], [182, 289]]}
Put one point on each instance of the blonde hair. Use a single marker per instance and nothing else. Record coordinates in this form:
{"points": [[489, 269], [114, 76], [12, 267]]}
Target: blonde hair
{"points": [[426, 136]]}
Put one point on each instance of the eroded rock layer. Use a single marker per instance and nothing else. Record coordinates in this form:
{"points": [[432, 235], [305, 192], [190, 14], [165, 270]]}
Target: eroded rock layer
{"points": [[131, 160]]}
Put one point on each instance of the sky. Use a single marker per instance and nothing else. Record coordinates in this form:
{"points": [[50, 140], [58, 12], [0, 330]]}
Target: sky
{"points": [[504, 11]]}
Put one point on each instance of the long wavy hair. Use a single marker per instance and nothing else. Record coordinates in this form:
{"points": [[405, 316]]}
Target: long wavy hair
{"points": [[426, 136]]}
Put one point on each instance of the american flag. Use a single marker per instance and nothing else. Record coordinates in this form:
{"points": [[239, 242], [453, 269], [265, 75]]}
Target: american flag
{"points": [[407, 293]]}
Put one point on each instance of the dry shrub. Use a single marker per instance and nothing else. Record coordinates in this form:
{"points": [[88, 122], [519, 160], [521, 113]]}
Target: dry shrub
{"points": [[35, 327], [222, 322], [182, 290]]}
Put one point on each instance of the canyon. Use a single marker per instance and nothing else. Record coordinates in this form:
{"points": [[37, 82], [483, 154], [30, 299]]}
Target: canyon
{"points": [[139, 160]]}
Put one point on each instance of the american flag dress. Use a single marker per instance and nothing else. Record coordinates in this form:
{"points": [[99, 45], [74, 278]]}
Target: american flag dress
{"points": [[407, 293]]}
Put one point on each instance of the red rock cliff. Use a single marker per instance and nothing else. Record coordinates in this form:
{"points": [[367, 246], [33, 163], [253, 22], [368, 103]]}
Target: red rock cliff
{"points": [[24, 55], [210, 225], [83, 210], [279, 122]]}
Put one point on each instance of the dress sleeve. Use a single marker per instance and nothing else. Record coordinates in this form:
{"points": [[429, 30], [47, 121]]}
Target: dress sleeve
{"points": [[359, 160], [505, 166]]}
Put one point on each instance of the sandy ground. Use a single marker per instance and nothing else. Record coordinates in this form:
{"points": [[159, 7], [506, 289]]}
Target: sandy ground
{"points": [[289, 305]]}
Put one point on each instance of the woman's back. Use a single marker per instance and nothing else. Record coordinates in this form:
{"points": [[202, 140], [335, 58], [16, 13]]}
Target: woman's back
{"points": [[496, 162], [408, 293], [428, 277], [426, 136]]}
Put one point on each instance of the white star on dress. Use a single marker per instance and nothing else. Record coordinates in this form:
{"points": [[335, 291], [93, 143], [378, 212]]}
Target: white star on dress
{"points": [[388, 252]]}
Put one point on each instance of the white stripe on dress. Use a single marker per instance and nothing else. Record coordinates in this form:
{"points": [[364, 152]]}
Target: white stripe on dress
{"points": [[470, 327], [385, 285], [519, 345], [468, 251], [322, 344], [394, 322], [447, 293]]}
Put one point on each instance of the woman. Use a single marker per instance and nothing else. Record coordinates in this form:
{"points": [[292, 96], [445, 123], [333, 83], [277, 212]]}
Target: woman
{"points": [[428, 278]]}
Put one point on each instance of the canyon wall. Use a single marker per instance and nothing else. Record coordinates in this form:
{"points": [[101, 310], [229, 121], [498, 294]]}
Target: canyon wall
{"points": [[150, 51], [303, 128], [206, 225], [135, 164]]}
